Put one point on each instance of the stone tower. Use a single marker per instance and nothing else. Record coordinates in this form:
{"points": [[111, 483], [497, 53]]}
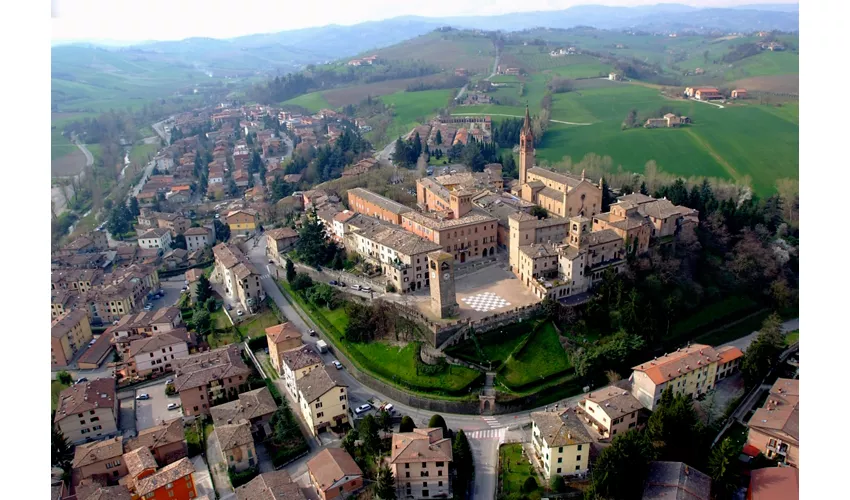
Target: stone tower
{"points": [[442, 282], [579, 226], [526, 149]]}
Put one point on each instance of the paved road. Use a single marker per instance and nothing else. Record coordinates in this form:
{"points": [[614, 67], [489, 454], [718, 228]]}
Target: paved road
{"points": [[462, 90], [744, 342], [85, 150], [495, 67], [518, 116], [218, 469]]}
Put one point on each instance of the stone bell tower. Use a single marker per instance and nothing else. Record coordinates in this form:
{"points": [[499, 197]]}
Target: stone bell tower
{"points": [[526, 149], [442, 282]]}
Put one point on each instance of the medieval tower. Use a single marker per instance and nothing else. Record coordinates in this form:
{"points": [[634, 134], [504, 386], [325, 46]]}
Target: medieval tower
{"points": [[526, 149], [442, 282]]}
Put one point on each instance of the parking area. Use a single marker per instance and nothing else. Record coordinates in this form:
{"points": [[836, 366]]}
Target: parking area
{"points": [[171, 287], [715, 403], [153, 411]]}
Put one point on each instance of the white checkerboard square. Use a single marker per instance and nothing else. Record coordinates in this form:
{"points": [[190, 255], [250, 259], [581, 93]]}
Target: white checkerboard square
{"points": [[486, 301]]}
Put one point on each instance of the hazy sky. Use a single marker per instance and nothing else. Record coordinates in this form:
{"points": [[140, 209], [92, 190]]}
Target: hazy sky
{"points": [[177, 19]]}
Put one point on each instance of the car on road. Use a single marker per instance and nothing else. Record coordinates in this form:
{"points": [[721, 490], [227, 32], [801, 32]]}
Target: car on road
{"points": [[169, 381], [342, 284], [148, 306], [389, 408], [92, 341], [173, 406], [312, 332], [365, 289], [333, 282], [239, 312], [184, 289], [271, 261], [337, 364], [356, 287], [143, 396], [363, 408], [81, 380]]}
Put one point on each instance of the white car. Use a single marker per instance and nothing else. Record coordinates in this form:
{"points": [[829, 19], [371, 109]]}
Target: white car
{"points": [[143, 396], [337, 364], [355, 287], [239, 312], [173, 406], [389, 408], [363, 408]]}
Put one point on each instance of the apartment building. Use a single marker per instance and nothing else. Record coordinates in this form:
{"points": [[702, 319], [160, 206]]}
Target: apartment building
{"points": [[690, 370], [334, 474], [155, 355], [237, 445], [242, 221], [323, 399], [121, 292], [401, 255], [240, 278], [420, 462], [675, 480], [280, 338], [775, 427], [166, 441], [255, 407], [203, 378], [374, 205], [175, 481], [279, 241], [159, 238], [198, 238], [275, 485], [88, 411], [470, 237], [101, 460], [68, 334], [729, 362], [774, 483], [610, 411], [296, 363], [561, 443], [146, 323]]}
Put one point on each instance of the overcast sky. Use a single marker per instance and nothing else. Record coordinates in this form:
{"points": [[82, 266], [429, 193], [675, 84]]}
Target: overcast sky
{"points": [[136, 20]]}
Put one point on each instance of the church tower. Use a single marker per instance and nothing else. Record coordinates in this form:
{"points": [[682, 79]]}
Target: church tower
{"points": [[442, 283], [526, 149]]}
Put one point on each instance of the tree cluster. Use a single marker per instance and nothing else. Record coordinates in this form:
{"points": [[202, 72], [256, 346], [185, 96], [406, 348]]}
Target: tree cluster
{"points": [[313, 247]]}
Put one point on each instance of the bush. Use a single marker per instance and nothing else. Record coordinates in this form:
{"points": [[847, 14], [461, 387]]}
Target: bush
{"points": [[558, 484], [391, 288], [170, 390], [274, 391], [256, 343], [301, 282], [239, 478], [530, 485], [64, 378]]}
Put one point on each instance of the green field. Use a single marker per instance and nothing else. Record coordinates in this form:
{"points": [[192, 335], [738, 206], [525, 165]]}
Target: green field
{"points": [[541, 357], [314, 101], [496, 345], [412, 108], [139, 153], [256, 326], [514, 470]]}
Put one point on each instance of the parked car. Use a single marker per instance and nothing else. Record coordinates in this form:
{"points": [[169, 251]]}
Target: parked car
{"points": [[148, 306], [81, 380], [239, 312], [389, 408], [169, 381], [173, 406], [337, 364], [363, 408], [365, 289], [312, 332], [184, 289], [333, 282], [143, 396], [355, 287], [342, 284]]}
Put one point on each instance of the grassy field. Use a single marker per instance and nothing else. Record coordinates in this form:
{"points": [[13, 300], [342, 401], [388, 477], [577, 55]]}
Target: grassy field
{"points": [[139, 153], [314, 101], [514, 470], [446, 50], [256, 326], [391, 363], [496, 345], [219, 321], [541, 357], [792, 337], [56, 387], [412, 108]]}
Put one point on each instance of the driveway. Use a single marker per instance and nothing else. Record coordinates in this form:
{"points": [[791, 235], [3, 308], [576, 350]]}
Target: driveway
{"points": [[153, 411], [203, 483], [218, 469]]}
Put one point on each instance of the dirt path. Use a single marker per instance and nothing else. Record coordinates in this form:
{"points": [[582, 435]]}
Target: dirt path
{"points": [[719, 159], [516, 116]]}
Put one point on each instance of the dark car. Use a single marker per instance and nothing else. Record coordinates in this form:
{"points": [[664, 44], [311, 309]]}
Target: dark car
{"points": [[312, 332], [333, 282], [342, 284]]}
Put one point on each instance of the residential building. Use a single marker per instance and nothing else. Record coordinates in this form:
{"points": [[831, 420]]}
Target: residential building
{"points": [[97, 491], [624, 219], [174, 481], [100, 460], [729, 362], [323, 399], [775, 427], [366, 202], [610, 411], [140, 464], [338, 224], [88, 411], [690, 370], [275, 485], [401, 255], [255, 407], [155, 355], [96, 354], [198, 238], [667, 121], [69, 333], [666, 219], [774, 483], [739, 94], [237, 445], [159, 238], [334, 474], [295, 364], [203, 378], [279, 241], [667, 480], [281, 338], [166, 441], [240, 278], [561, 443], [242, 221], [420, 462], [146, 323], [469, 236]]}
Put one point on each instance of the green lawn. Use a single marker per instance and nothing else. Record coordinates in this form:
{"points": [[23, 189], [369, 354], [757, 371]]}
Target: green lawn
{"points": [[735, 331], [140, 152], [792, 337], [541, 357], [217, 340], [55, 388], [413, 108], [256, 327], [714, 314], [219, 320], [514, 470], [314, 101], [390, 363], [496, 345]]}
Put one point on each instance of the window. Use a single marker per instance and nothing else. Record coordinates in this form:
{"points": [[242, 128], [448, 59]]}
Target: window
{"points": [[424, 493], [560, 460], [169, 486], [578, 458], [578, 467], [439, 483], [407, 474], [439, 464], [561, 449], [559, 470], [318, 405], [424, 473], [439, 473], [407, 465], [320, 414]]}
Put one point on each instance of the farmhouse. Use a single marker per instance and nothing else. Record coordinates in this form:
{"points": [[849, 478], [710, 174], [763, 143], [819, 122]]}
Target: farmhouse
{"points": [[667, 121], [739, 94]]}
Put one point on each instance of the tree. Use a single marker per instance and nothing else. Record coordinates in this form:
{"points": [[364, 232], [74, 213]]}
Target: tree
{"points": [[210, 304], [385, 486], [134, 207], [723, 470], [290, 271], [202, 321], [120, 221], [301, 282], [763, 353], [203, 290], [64, 377], [558, 484], [385, 420], [643, 189], [222, 231], [406, 425], [439, 138], [538, 212], [463, 463], [313, 247], [180, 241], [61, 452], [337, 262], [368, 432], [607, 198], [530, 485], [674, 428], [348, 442], [439, 421], [621, 468]]}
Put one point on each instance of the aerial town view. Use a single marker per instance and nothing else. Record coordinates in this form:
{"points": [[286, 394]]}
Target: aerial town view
{"points": [[487, 255]]}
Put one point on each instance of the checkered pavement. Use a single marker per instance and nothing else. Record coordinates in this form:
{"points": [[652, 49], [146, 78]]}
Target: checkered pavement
{"points": [[486, 301]]}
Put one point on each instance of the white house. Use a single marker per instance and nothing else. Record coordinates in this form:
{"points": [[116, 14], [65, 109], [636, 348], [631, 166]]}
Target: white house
{"points": [[156, 354], [296, 363], [198, 238], [156, 238]]}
